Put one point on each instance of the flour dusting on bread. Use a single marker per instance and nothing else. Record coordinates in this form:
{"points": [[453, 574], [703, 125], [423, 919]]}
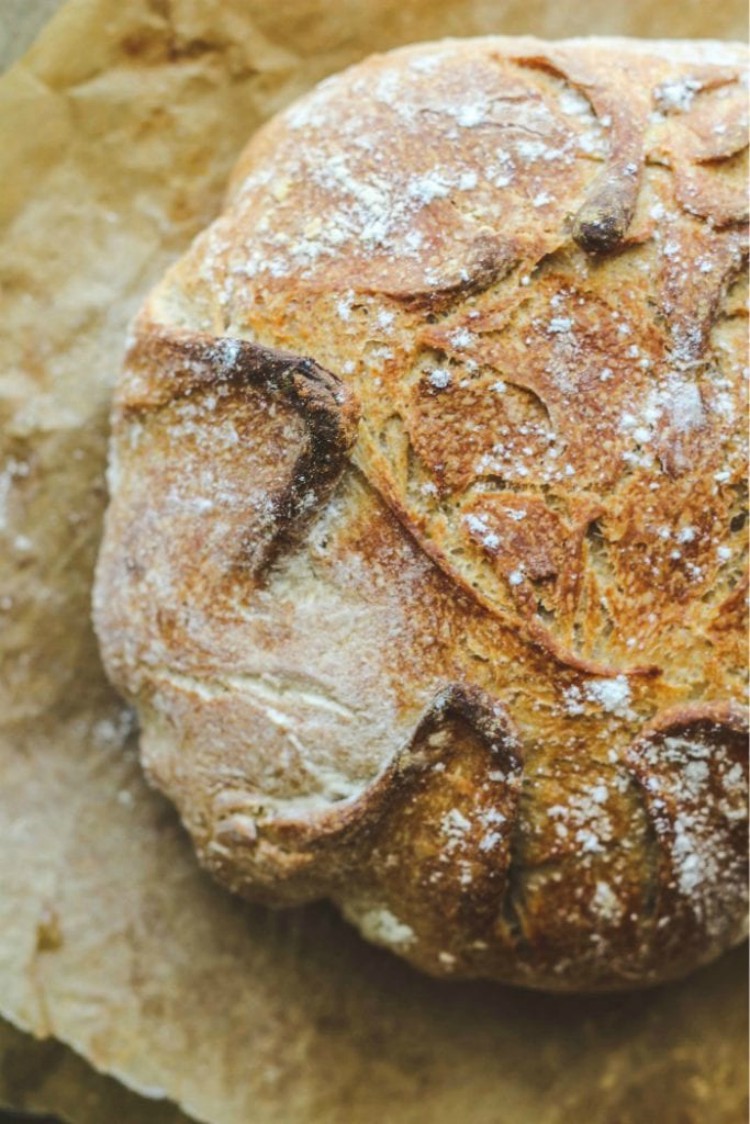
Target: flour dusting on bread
{"points": [[425, 563]]}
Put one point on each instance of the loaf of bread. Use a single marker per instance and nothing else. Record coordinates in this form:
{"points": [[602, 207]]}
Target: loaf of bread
{"points": [[423, 565]]}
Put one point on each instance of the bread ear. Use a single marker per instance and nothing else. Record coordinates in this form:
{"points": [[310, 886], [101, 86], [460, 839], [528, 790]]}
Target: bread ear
{"points": [[445, 847], [168, 366], [453, 787], [222, 451], [691, 767], [603, 218]]}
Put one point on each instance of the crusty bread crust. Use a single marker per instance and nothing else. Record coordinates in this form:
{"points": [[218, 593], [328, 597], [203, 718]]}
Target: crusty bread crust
{"points": [[424, 559]]}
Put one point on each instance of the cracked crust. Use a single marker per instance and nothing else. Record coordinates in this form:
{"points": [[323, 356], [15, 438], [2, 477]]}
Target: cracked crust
{"points": [[424, 559]]}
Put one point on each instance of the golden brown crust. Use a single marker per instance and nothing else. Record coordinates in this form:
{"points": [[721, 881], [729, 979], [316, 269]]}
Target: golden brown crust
{"points": [[445, 622]]}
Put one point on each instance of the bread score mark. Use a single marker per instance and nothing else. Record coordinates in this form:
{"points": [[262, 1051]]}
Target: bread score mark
{"points": [[454, 788], [601, 223], [691, 764], [287, 846], [165, 364]]}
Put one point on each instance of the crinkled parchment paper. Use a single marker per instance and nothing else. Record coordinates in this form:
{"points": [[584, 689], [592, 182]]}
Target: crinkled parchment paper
{"points": [[42, 1075], [117, 133]]}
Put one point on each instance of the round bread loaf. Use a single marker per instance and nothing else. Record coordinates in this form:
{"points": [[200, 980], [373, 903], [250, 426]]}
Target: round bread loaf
{"points": [[424, 559]]}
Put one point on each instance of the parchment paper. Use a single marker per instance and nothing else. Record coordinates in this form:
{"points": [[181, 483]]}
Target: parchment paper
{"points": [[43, 1076], [116, 136]]}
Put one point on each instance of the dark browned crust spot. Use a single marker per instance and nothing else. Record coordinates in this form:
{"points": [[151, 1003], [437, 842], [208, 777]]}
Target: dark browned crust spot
{"points": [[603, 220]]}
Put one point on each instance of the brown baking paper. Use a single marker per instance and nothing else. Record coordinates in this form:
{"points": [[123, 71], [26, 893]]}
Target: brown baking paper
{"points": [[118, 132], [43, 1076]]}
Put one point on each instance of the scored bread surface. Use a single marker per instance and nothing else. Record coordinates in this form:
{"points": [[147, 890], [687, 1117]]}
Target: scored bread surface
{"points": [[424, 563]]}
